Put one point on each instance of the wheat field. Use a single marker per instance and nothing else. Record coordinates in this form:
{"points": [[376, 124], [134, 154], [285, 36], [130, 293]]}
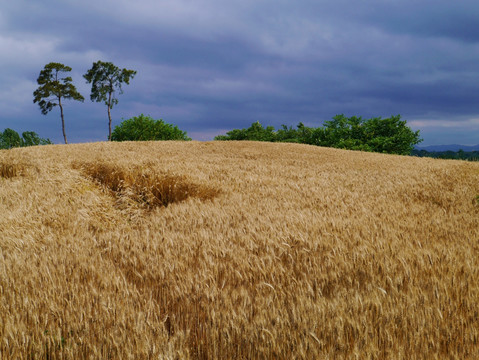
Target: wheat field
{"points": [[236, 250]]}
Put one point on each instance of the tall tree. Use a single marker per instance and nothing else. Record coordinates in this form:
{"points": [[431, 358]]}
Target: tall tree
{"points": [[106, 78], [53, 88]]}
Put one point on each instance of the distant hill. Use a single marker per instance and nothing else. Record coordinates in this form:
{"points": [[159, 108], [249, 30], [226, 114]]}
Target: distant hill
{"points": [[452, 147]]}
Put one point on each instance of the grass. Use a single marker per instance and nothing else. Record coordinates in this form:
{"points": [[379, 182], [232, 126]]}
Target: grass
{"points": [[246, 250]]}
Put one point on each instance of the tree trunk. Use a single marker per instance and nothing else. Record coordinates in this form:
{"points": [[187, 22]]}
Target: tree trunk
{"points": [[109, 117], [63, 120]]}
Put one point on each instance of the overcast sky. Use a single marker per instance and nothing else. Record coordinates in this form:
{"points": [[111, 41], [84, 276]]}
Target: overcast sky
{"points": [[210, 66]]}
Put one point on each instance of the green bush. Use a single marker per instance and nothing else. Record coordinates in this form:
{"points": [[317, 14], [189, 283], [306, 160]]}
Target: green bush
{"points": [[144, 128]]}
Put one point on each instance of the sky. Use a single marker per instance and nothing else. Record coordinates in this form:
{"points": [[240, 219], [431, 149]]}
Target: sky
{"points": [[210, 66]]}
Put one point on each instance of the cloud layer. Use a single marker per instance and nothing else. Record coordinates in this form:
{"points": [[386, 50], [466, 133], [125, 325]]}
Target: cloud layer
{"points": [[209, 66]]}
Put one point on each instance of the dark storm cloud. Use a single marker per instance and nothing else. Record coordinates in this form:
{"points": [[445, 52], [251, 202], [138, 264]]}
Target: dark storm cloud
{"points": [[210, 66], [428, 18]]}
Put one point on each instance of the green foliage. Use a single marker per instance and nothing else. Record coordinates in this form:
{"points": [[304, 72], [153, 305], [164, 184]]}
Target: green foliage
{"points": [[31, 138], [144, 128], [302, 134], [390, 135], [106, 78], [53, 88], [255, 132], [449, 154], [9, 139]]}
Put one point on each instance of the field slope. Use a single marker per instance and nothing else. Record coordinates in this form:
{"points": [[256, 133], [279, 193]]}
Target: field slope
{"points": [[236, 250]]}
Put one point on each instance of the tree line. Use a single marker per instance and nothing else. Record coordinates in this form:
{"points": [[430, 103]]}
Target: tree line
{"points": [[391, 135], [54, 87], [10, 138], [449, 154]]}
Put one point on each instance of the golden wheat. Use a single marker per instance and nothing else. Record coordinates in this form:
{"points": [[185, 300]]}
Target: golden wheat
{"points": [[264, 251]]}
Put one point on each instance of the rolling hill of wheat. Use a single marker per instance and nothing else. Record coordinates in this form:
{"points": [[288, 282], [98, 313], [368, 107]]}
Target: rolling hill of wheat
{"points": [[236, 250]]}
